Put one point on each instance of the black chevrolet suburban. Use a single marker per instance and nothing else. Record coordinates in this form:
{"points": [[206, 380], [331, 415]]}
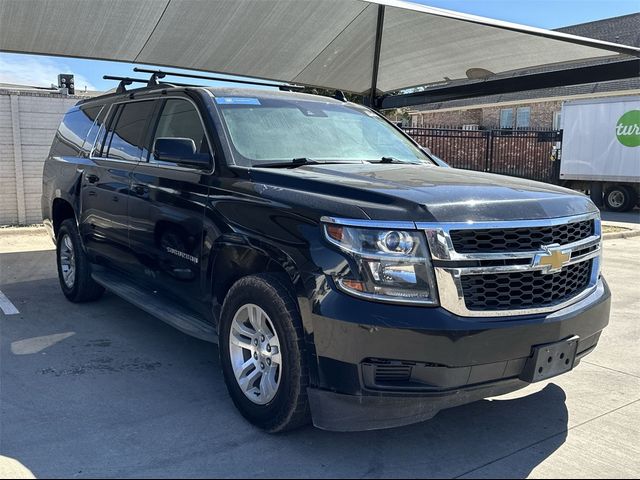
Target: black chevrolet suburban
{"points": [[349, 278]]}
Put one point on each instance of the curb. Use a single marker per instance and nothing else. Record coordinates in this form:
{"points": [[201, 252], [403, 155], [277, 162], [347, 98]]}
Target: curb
{"points": [[616, 235], [11, 231]]}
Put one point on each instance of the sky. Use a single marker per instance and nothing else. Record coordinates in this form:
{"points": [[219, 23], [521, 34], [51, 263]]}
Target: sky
{"points": [[43, 71]]}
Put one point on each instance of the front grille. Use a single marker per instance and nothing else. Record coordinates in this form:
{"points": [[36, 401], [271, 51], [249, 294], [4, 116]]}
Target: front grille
{"points": [[519, 239], [519, 290]]}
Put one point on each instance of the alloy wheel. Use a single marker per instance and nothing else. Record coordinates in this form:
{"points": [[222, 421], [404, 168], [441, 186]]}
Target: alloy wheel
{"points": [[254, 348], [67, 261]]}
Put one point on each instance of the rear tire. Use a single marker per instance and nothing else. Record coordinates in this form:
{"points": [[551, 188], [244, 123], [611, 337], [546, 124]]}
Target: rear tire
{"points": [[268, 299], [74, 269], [619, 198]]}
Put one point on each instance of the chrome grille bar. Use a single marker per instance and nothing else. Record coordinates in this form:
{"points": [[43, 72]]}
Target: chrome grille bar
{"points": [[450, 265]]}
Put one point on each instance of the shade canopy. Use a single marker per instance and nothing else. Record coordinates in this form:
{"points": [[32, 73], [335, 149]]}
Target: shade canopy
{"points": [[351, 45]]}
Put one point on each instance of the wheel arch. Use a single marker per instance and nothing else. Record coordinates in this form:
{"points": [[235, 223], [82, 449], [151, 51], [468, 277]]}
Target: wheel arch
{"points": [[61, 210], [234, 257], [232, 261]]}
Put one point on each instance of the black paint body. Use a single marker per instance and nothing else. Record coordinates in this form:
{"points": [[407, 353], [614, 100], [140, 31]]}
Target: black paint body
{"points": [[230, 221]]}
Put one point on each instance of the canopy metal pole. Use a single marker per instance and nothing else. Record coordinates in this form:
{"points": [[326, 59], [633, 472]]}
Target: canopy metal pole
{"points": [[560, 78], [376, 57]]}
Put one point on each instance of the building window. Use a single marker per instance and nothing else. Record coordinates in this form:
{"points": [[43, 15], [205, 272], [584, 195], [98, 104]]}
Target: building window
{"points": [[506, 118], [523, 117], [557, 120]]}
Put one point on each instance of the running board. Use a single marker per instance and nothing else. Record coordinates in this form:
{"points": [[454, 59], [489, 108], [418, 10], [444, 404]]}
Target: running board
{"points": [[184, 320]]}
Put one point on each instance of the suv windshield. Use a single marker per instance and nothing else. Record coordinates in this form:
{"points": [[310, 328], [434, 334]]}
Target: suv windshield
{"points": [[269, 130]]}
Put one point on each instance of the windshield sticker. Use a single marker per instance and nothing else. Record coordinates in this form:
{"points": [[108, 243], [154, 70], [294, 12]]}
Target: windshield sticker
{"points": [[237, 101]]}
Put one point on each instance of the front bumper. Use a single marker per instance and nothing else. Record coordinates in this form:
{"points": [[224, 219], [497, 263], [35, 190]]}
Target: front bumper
{"points": [[430, 359]]}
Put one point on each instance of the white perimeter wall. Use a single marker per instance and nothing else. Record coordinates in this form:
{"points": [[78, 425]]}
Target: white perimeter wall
{"points": [[28, 123]]}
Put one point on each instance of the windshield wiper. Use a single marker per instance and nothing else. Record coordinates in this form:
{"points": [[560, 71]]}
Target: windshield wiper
{"points": [[392, 160], [296, 162]]}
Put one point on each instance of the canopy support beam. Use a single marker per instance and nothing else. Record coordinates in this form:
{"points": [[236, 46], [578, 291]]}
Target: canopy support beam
{"points": [[559, 78], [376, 58]]}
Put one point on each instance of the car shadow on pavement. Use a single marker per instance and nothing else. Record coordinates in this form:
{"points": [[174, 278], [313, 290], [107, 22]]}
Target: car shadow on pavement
{"points": [[475, 440], [103, 389]]}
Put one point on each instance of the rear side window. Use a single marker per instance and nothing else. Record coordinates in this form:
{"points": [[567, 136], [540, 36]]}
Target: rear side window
{"points": [[179, 118], [124, 138], [75, 126], [98, 113]]}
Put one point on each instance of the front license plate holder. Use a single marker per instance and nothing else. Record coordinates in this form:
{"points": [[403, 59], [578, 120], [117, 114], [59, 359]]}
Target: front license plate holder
{"points": [[550, 360]]}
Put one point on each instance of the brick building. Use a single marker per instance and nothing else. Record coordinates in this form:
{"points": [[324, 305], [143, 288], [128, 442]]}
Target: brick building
{"points": [[535, 109]]}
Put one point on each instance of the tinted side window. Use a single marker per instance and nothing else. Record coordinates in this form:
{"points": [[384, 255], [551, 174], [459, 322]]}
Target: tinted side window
{"points": [[101, 134], [179, 118], [74, 129], [125, 136], [98, 113]]}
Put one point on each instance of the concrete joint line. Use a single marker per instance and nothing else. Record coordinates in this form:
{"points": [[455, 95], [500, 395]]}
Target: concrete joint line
{"points": [[17, 158]]}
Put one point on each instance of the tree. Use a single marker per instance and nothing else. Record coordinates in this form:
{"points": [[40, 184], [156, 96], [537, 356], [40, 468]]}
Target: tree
{"points": [[327, 92]]}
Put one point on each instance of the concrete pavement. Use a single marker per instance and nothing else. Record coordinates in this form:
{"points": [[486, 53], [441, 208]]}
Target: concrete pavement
{"points": [[628, 219], [627, 224], [104, 389]]}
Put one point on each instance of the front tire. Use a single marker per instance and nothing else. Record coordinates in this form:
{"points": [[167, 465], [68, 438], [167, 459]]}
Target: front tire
{"points": [[262, 353], [74, 271]]}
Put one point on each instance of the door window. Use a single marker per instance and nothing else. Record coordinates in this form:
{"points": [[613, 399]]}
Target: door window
{"points": [[124, 139], [180, 119]]}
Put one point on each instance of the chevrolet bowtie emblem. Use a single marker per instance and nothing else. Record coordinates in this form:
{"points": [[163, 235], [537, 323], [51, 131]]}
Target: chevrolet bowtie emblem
{"points": [[554, 258]]}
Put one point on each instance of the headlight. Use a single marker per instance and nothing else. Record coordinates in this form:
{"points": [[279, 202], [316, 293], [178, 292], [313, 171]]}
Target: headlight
{"points": [[392, 265]]}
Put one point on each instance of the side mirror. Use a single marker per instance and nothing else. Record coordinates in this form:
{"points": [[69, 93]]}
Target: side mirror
{"points": [[181, 151], [435, 158]]}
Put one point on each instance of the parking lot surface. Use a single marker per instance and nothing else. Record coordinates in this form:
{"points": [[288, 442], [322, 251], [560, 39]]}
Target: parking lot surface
{"points": [[103, 389]]}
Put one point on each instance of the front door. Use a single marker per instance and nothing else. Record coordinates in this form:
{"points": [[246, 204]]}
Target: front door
{"points": [[167, 206]]}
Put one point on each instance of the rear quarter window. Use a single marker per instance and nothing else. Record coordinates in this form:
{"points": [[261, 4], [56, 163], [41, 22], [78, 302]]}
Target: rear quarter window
{"points": [[73, 131]]}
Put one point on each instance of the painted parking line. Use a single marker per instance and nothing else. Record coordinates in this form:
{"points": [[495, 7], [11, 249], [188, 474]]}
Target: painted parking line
{"points": [[6, 306]]}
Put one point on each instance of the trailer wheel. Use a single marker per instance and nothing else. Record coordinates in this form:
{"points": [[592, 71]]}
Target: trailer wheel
{"points": [[619, 198]]}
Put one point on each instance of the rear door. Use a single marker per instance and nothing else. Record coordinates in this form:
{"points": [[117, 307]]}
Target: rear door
{"points": [[105, 185], [167, 206]]}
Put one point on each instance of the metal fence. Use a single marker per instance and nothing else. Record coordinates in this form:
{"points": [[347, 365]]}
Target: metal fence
{"points": [[532, 154]]}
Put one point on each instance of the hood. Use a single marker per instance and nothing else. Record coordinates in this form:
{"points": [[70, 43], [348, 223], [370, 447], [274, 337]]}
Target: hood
{"points": [[426, 193]]}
